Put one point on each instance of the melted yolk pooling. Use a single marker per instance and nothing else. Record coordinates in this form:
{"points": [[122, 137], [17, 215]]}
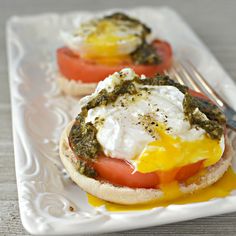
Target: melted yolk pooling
{"points": [[220, 189], [169, 152]]}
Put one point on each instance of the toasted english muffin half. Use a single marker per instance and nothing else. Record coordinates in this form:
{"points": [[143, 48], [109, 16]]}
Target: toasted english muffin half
{"points": [[74, 87], [130, 196]]}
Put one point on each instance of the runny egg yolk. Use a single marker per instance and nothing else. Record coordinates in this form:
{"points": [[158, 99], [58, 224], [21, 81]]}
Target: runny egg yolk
{"points": [[169, 152], [110, 40]]}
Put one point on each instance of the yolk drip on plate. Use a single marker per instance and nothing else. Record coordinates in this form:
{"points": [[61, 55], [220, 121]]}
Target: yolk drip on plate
{"points": [[169, 152], [220, 189]]}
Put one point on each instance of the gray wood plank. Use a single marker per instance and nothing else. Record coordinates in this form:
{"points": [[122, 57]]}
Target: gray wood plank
{"points": [[214, 22]]}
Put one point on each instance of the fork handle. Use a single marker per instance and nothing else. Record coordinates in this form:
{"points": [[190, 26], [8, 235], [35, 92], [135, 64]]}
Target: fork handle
{"points": [[230, 116]]}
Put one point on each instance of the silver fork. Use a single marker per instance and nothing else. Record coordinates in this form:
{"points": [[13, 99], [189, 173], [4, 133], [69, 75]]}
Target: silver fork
{"points": [[187, 74]]}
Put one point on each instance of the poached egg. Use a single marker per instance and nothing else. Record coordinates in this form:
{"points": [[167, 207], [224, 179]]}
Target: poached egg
{"points": [[149, 130], [105, 37]]}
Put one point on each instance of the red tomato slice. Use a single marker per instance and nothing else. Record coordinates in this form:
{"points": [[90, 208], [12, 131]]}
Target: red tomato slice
{"points": [[187, 171], [73, 67], [119, 172]]}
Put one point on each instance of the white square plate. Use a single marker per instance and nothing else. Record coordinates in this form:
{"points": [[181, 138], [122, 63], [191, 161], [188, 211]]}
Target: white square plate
{"points": [[40, 112]]}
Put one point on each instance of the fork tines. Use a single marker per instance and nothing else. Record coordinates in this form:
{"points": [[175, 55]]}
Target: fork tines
{"points": [[192, 78]]}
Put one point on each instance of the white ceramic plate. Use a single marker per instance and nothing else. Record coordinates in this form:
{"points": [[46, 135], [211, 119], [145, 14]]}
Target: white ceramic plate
{"points": [[40, 113]]}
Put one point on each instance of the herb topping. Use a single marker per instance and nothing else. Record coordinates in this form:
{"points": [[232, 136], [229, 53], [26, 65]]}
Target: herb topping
{"points": [[145, 54]]}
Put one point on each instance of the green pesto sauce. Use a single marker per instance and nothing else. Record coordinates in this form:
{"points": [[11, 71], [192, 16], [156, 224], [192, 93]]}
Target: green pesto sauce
{"points": [[83, 168], [133, 22], [82, 137], [213, 119], [145, 54]]}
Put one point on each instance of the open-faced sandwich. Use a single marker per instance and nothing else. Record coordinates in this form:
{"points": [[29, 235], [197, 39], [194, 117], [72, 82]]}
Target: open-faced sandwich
{"points": [[100, 47], [134, 136]]}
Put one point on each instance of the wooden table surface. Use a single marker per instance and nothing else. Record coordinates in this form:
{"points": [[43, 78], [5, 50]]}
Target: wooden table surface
{"points": [[214, 21]]}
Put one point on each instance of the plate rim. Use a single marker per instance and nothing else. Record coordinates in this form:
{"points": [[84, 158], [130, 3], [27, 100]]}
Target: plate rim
{"points": [[17, 142]]}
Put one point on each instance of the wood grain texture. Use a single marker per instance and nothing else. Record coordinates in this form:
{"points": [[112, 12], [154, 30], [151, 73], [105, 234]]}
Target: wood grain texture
{"points": [[214, 22]]}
